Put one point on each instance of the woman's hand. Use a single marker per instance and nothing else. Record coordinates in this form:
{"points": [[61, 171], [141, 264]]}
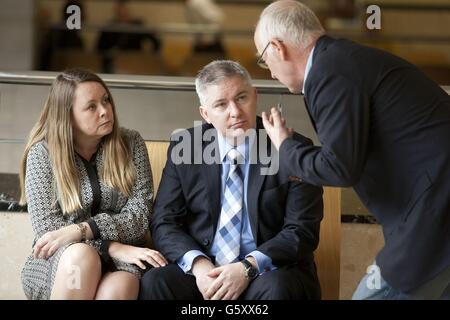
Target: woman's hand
{"points": [[51, 241], [136, 255]]}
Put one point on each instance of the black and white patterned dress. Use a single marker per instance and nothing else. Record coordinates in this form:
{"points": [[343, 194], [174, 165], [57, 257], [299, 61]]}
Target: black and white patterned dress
{"points": [[111, 215]]}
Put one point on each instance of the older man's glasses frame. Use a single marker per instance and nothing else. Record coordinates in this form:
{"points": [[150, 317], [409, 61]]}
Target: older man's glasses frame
{"points": [[261, 62]]}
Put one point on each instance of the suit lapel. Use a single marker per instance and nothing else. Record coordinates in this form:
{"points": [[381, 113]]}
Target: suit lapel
{"points": [[255, 181], [309, 114], [214, 186], [321, 46], [212, 177]]}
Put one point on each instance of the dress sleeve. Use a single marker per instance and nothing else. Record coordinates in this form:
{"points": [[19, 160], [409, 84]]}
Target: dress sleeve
{"points": [[130, 225], [45, 213]]}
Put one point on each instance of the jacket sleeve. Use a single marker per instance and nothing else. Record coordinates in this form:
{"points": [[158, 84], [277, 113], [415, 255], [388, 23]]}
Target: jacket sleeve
{"points": [[299, 236], [340, 109], [169, 220], [130, 225]]}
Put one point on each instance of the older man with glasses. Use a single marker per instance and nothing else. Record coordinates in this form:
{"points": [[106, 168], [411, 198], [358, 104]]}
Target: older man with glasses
{"points": [[384, 128]]}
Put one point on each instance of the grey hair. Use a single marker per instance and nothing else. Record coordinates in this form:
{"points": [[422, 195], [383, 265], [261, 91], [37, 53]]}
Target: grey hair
{"points": [[217, 71], [290, 21]]}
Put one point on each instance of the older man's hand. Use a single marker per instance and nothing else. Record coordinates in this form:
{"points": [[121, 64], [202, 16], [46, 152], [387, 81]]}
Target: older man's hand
{"points": [[275, 126]]}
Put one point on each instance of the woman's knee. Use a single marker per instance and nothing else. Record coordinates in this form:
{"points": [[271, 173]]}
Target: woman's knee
{"points": [[82, 257], [79, 268]]}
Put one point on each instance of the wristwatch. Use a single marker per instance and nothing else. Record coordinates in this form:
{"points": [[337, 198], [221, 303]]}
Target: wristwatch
{"points": [[250, 271]]}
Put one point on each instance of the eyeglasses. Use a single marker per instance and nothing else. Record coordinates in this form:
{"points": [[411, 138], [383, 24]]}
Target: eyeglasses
{"points": [[261, 62]]}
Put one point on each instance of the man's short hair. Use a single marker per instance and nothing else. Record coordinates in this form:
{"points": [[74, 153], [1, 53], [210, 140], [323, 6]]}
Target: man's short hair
{"points": [[290, 21], [217, 71]]}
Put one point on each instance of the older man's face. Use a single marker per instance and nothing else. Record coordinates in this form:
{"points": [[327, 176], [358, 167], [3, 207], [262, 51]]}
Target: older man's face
{"points": [[285, 69], [230, 107]]}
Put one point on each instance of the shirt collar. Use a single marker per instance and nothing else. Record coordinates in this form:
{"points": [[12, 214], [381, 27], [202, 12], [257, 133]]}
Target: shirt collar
{"points": [[308, 67], [225, 147]]}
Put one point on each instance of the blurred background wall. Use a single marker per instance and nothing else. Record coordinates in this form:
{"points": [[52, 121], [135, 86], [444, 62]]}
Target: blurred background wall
{"points": [[17, 41], [116, 36]]}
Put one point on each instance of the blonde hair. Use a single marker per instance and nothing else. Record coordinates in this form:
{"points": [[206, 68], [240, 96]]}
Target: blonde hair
{"points": [[54, 127], [290, 21]]}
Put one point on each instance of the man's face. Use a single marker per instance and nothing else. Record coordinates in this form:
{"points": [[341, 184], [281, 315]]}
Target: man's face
{"points": [[230, 107], [278, 61]]}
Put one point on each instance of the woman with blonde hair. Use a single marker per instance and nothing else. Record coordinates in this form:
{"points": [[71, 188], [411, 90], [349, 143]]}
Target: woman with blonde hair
{"points": [[88, 186]]}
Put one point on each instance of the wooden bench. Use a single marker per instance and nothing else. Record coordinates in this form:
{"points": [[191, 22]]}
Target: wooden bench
{"points": [[328, 253]]}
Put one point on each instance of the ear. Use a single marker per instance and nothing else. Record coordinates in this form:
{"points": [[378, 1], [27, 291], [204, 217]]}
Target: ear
{"points": [[204, 113], [280, 48]]}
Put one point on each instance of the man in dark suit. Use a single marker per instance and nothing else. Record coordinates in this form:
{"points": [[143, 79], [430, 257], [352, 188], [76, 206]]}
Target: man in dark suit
{"points": [[384, 129], [232, 228]]}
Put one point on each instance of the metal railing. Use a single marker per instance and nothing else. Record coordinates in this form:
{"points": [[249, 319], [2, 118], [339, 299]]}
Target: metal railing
{"points": [[139, 82], [133, 82]]}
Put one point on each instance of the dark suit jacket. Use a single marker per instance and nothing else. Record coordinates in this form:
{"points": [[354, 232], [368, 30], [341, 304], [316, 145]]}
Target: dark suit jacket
{"points": [[284, 215], [384, 129]]}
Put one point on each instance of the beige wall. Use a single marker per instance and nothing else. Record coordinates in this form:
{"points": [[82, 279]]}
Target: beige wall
{"points": [[359, 245], [16, 34], [15, 245]]}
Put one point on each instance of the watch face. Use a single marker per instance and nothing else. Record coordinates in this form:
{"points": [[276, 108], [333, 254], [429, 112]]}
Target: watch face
{"points": [[252, 272]]}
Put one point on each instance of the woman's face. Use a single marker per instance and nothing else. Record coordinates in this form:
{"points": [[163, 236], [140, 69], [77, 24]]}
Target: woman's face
{"points": [[92, 115]]}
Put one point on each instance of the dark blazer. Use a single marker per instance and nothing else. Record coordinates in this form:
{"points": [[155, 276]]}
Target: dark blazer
{"points": [[284, 215], [384, 129]]}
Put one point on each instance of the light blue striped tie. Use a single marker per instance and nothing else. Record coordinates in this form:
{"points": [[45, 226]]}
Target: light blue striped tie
{"points": [[228, 235]]}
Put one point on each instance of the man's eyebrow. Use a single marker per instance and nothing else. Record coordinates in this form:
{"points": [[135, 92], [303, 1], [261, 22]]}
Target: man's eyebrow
{"points": [[241, 92], [219, 100], [224, 99]]}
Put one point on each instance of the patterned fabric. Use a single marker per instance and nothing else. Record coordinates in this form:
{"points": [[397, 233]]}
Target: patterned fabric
{"points": [[228, 234], [119, 219]]}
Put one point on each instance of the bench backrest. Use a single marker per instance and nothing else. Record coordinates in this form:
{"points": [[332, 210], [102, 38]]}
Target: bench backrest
{"points": [[327, 254]]}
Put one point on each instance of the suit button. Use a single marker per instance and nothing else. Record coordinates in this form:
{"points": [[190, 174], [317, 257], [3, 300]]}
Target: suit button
{"points": [[205, 242]]}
